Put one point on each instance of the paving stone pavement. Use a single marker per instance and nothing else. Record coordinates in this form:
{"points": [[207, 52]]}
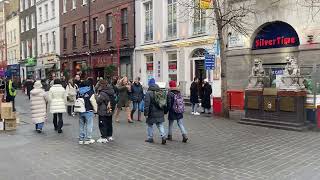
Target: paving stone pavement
{"points": [[218, 149]]}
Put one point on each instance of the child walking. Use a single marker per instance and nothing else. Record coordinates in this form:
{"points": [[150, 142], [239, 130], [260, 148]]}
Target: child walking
{"points": [[38, 106], [105, 101]]}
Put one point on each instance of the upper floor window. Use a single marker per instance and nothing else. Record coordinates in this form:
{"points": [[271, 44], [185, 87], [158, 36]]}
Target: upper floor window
{"points": [[85, 33], [46, 12], [34, 47], [64, 6], [109, 27], [32, 3], [54, 41], [74, 4], [40, 14], [53, 9], [84, 2], [65, 43], [74, 36], [41, 44], [22, 25], [124, 23], [47, 42], [172, 18], [95, 30], [26, 4], [148, 21], [21, 5], [27, 23], [33, 20], [199, 21]]}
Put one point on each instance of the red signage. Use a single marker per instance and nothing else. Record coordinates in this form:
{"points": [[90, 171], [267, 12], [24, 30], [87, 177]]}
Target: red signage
{"points": [[149, 66], [278, 41], [173, 66], [101, 61]]}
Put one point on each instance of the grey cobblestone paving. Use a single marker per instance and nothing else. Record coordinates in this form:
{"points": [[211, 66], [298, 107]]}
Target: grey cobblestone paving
{"points": [[218, 149]]}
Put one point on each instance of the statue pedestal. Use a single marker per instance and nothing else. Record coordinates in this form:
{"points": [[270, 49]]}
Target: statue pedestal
{"points": [[277, 109]]}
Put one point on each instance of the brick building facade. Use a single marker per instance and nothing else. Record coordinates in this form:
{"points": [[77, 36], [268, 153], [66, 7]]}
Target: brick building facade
{"points": [[111, 29]]}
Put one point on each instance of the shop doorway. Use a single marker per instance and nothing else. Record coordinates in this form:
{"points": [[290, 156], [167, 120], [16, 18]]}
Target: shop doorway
{"points": [[198, 64], [125, 67], [200, 71]]}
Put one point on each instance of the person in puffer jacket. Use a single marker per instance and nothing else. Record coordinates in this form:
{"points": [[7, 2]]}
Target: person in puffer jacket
{"points": [[38, 106], [105, 100], [57, 99], [86, 118]]}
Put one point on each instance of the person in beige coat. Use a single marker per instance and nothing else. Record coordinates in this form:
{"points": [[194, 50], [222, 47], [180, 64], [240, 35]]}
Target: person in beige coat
{"points": [[57, 100], [38, 106]]}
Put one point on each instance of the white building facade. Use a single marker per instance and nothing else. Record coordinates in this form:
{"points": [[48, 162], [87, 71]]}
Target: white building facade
{"points": [[170, 44], [48, 37]]}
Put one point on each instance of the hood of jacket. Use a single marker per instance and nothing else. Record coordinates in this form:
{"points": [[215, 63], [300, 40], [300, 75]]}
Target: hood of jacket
{"points": [[84, 90], [154, 87], [36, 91], [107, 89]]}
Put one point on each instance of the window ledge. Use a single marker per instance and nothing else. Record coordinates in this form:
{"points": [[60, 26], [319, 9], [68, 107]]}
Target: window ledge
{"points": [[85, 46], [109, 41], [125, 39]]}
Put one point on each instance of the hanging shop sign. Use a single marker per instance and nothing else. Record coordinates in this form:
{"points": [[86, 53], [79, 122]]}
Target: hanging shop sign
{"points": [[205, 4], [276, 35], [31, 62]]}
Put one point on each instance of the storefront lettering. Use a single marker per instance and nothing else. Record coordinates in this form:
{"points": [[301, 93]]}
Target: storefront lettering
{"points": [[279, 41]]}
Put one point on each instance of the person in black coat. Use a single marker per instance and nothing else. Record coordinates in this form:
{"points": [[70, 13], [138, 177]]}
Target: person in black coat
{"points": [[29, 86], [136, 97], [206, 100], [194, 96]]}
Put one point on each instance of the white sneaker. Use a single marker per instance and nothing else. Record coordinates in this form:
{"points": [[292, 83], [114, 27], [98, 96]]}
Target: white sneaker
{"points": [[192, 113], [91, 141], [80, 142], [102, 140], [110, 139], [196, 113]]}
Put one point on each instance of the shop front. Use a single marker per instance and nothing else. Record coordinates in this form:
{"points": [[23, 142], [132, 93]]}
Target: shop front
{"points": [[99, 63], [47, 65]]}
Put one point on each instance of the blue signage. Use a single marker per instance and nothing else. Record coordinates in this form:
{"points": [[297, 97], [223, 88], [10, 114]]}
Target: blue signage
{"points": [[276, 35], [277, 71], [209, 61]]}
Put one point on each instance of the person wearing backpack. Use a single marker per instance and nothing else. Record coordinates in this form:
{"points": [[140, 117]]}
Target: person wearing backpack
{"points": [[85, 94], [105, 103], [175, 107], [154, 110]]}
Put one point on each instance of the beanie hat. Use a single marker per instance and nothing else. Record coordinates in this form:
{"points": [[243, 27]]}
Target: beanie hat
{"points": [[172, 84], [151, 82]]}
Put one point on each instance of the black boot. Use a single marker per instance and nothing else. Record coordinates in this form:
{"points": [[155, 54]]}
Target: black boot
{"points": [[169, 138], [149, 140], [184, 138], [132, 112], [164, 141]]}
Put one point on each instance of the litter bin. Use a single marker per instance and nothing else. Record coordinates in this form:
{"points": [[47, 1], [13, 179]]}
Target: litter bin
{"points": [[318, 116], [217, 105]]}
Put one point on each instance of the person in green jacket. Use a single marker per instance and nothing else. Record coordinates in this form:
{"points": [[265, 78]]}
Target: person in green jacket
{"points": [[11, 92]]}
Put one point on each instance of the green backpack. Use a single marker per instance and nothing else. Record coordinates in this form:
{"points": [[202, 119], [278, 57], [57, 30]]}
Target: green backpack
{"points": [[160, 99]]}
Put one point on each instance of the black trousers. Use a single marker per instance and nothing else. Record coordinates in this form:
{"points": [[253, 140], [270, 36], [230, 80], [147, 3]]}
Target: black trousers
{"points": [[57, 124], [105, 126], [70, 110]]}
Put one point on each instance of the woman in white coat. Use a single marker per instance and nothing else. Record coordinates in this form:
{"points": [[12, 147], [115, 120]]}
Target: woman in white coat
{"points": [[72, 90], [38, 105], [57, 99]]}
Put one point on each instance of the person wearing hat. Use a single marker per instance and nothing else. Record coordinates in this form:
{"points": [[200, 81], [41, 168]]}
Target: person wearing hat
{"points": [[38, 105], [153, 113], [205, 101], [175, 106], [106, 105]]}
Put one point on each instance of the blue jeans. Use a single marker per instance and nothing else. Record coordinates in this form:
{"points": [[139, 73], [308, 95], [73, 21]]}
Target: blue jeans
{"points": [[180, 125], [150, 130], [86, 125], [39, 125], [194, 107]]}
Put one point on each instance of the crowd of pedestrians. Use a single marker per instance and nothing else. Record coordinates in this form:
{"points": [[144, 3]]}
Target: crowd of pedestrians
{"points": [[107, 98]]}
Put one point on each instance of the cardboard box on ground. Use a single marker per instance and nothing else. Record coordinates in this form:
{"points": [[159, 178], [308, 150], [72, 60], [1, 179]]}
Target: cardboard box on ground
{"points": [[8, 116]]}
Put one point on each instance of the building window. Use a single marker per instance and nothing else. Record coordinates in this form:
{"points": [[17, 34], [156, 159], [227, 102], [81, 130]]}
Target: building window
{"points": [[64, 6], [53, 9], [34, 47], [172, 19], [32, 3], [149, 65], [22, 50], [47, 42], [65, 38], [46, 12], [40, 15], [172, 66], [84, 2], [21, 5], [14, 36], [85, 33], [74, 4], [28, 48], [95, 30], [26, 4], [199, 21], [148, 21], [41, 44], [124, 23], [109, 27], [22, 25], [74, 36], [53, 41], [27, 23], [33, 20]]}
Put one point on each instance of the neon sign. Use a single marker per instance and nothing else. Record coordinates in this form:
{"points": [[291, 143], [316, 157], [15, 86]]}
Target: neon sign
{"points": [[276, 35]]}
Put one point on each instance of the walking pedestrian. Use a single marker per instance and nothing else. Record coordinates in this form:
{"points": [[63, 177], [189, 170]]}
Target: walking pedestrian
{"points": [[38, 106], [194, 96], [11, 92], [57, 99], [29, 85], [105, 103], [136, 97], [205, 101], [71, 90], [77, 80], [153, 112], [86, 117], [175, 106], [123, 88]]}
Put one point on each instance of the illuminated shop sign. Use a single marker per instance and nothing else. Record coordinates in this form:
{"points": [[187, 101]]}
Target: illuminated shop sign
{"points": [[276, 35]]}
